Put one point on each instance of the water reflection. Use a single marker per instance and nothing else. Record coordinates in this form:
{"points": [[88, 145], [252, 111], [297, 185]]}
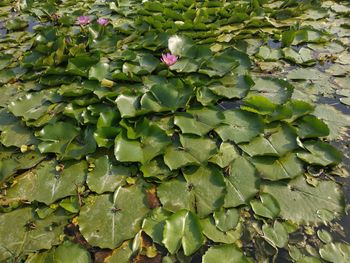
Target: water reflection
{"points": [[3, 30]]}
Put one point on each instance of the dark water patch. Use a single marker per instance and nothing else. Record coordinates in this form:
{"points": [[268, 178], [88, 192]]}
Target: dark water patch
{"points": [[31, 25], [3, 30], [274, 44], [230, 104], [335, 102]]}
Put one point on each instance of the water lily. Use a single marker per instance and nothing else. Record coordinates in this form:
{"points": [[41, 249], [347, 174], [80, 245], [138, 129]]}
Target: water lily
{"points": [[55, 17], [83, 20], [175, 44], [103, 21], [169, 59]]}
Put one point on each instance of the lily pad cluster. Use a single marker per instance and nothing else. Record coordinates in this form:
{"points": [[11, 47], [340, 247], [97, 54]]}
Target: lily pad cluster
{"points": [[220, 154]]}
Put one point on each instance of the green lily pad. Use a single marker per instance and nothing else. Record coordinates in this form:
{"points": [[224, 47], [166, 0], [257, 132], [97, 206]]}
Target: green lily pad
{"points": [[303, 57], [69, 251], [195, 151], [156, 168], [260, 105], [324, 236], [198, 122], [276, 235], [106, 176], [276, 142], [269, 54], [22, 232], [5, 60], [335, 119], [11, 163], [82, 146], [57, 137], [226, 154], [232, 86], [66, 252], [213, 233], [80, 65], [127, 105], [336, 252], [311, 127], [177, 158], [320, 153], [76, 89], [99, 71], [183, 229], [175, 195], [274, 169], [302, 203], [103, 218], [226, 219], [277, 91], [203, 191], [239, 126], [226, 253], [153, 143], [154, 224], [46, 184], [267, 207], [241, 184], [17, 135], [31, 106]]}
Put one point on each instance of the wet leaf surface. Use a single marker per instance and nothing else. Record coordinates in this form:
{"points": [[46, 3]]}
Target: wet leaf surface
{"points": [[231, 153]]}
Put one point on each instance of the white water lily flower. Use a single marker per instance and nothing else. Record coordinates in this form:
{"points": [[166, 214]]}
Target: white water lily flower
{"points": [[175, 45]]}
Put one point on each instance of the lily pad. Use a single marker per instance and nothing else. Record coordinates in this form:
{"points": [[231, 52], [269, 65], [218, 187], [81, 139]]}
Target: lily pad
{"points": [[267, 207], [213, 233], [56, 137], [320, 153], [239, 126], [226, 219], [46, 184], [107, 176], [203, 191], [302, 203], [241, 184], [335, 252], [103, 218], [198, 122], [68, 252], [276, 142], [195, 151], [276, 235], [226, 253], [183, 229], [22, 232], [273, 169]]}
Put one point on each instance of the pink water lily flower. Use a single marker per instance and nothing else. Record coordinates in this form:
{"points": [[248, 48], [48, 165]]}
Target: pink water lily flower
{"points": [[169, 59], [103, 21], [83, 20]]}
